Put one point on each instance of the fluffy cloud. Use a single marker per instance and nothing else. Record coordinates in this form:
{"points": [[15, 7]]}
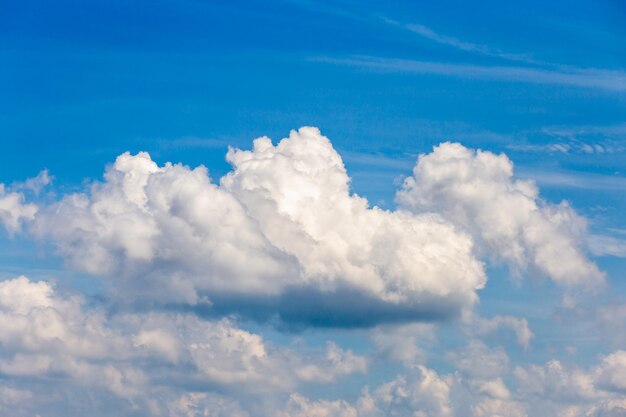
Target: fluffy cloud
{"points": [[406, 343], [574, 391], [299, 406], [15, 402], [338, 363], [424, 394], [14, 210], [187, 261], [36, 184], [207, 405], [281, 235], [498, 408], [476, 191], [47, 337], [419, 394], [480, 362], [519, 326]]}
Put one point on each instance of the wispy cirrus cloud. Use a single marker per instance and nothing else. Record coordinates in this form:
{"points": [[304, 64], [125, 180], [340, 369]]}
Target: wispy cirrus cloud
{"points": [[485, 50], [572, 179], [572, 147], [608, 80], [572, 140]]}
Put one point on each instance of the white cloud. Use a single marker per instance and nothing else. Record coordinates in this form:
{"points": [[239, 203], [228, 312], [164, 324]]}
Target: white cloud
{"points": [[36, 184], [480, 362], [15, 402], [421, 393], [282, 234], [498, 408], [200, 404], [424, 393], [338, 363], [523, 334], [603, 79], [14, 210], [405, 343], [494, 388], [299, 406], [430, 34], [298, 191], [595, 391], [611, 374], [47, 337], [476, 191], [601, 245]]}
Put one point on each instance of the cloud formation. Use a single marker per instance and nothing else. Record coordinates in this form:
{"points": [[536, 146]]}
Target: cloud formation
{"points": [[14, 211], [601, 79], [476, 191], [280, 235], [187, 262], [45, 336]]}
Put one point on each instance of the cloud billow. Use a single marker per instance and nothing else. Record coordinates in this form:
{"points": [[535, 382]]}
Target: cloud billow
{"points": [[282, 239], [476, 191], [280, 236]]}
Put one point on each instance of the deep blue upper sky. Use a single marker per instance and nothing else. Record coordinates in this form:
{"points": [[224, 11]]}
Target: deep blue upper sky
{"points": [[83, 81]]}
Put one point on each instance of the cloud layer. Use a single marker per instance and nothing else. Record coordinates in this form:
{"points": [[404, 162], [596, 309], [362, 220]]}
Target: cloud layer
{"points": [[187, 262]]}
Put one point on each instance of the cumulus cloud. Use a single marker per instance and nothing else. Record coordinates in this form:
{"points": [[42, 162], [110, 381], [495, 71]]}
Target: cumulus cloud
{"points": [[338, 363], [280, 235], [14, 211], [478, 361], [422, 393], [15, 402], [519, 326], [477, 192], [202, 404], [575, 391], [498, 408], [405, 343], [300, 406], [35, 184], [281, 238], [45, 336]]}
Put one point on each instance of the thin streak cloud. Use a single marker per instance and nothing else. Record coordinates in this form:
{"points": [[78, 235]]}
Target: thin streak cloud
{"points": [[568, 179], [609, 80], [430, 34]]}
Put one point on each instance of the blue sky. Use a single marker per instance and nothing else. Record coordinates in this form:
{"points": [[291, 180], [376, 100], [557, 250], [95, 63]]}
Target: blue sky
{"points": [[83, 82]]}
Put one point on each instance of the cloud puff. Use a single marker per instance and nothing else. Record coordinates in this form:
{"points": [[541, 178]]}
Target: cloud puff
{"points": [[14, 211], [420, 393], [202, 404], [281, 235], [498, 408], [300, 406], [476, 191], [519, 326], [595, 391], [36, 184], [47, 337], [480, 362], [404, 343]]}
